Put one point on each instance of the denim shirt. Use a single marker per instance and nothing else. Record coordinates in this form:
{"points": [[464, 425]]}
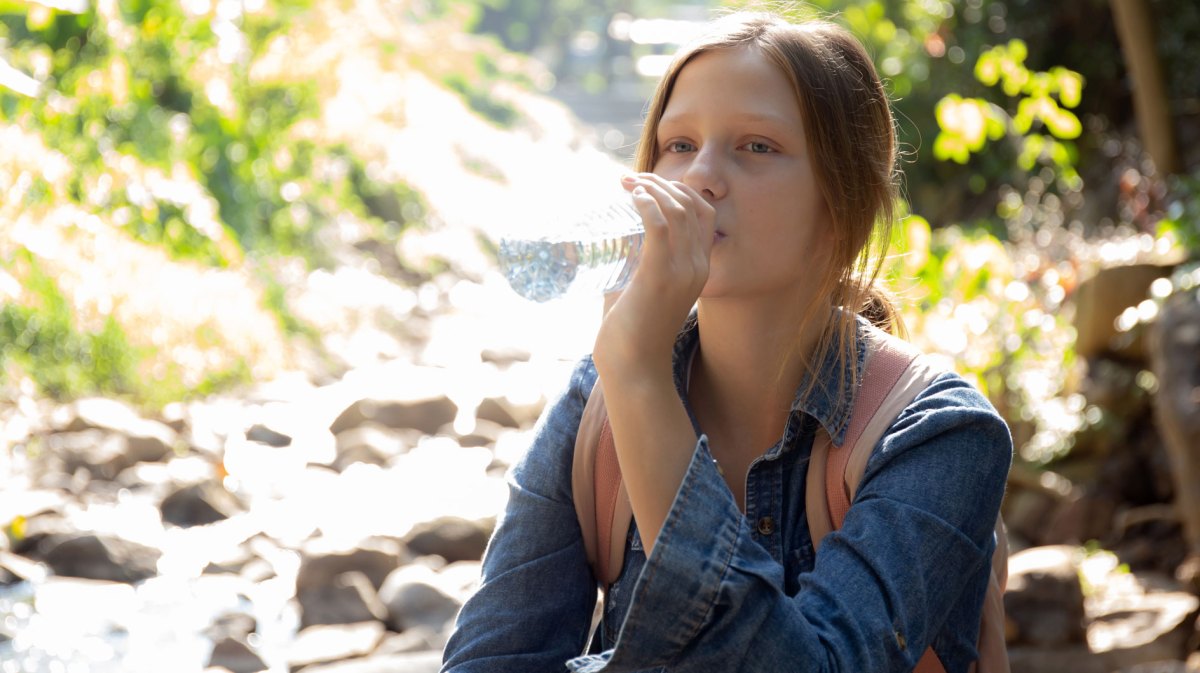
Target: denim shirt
{"points": [[725, 590]]}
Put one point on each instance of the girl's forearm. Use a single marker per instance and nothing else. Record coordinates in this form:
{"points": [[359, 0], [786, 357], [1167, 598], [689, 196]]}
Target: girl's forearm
{"points": [[654, 440]]}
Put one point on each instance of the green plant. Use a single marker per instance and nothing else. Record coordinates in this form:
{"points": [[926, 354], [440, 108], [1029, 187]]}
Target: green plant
{"points": [[1042, 101], [39, 337]]}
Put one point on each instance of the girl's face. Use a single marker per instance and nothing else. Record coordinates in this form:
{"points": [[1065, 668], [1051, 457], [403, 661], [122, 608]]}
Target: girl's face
{"points": [[733, 131]]}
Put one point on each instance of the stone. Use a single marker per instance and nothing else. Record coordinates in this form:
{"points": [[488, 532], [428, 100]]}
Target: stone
{"points": [[333, 642], [264, 435], [102, 454], [372, 443], [427, 414], [410, 662], [235, 625], [498, 411], [99, 557], [1101, 299], [504, 356], [485, 433], [235, 655], [452, 538], [375, 557], [414, 597], [348, 599], [148, 440], [199, 504], [1044, 598]]}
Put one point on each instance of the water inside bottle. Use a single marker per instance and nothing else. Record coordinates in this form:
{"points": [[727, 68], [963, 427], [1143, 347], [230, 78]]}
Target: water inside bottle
{"points": [[541, 270], [597, 254]]}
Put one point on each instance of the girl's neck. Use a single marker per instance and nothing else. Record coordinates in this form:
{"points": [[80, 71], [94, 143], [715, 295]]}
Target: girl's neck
{"points": [[750, 362]]}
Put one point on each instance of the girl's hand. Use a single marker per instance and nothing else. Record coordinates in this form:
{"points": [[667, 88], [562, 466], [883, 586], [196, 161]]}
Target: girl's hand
{"points": [[638, 333]]}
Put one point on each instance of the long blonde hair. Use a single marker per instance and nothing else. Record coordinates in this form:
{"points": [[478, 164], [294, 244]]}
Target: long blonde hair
{"points": [[850, 131]]}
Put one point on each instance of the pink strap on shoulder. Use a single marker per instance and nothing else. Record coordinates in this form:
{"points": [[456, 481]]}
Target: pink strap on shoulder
{"points": [[887, 362]]}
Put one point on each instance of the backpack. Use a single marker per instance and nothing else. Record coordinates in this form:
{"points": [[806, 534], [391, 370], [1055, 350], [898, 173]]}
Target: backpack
{"points": [[894, 375]]}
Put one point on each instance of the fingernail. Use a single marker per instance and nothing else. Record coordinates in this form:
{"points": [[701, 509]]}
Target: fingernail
{"points": [[629, 178], [639, 190]]}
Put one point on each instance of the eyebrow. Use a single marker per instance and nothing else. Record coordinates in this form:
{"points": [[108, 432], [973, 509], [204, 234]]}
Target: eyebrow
{"points": [[756, 117]]}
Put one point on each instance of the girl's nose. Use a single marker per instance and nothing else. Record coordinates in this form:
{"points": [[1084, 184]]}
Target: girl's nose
{"points": [[704, 175]]}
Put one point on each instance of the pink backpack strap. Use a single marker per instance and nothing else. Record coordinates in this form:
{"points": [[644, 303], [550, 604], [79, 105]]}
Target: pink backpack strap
{"points": [[601, 502], [887, 363]]}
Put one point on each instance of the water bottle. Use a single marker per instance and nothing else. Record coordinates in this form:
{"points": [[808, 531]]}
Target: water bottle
{"points": [[595, 255]]}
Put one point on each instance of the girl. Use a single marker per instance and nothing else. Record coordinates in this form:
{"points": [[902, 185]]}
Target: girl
{"points": [[766, 164]]}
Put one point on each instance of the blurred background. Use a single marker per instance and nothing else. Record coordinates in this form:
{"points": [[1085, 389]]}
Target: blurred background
{"points": [[260, 378]]}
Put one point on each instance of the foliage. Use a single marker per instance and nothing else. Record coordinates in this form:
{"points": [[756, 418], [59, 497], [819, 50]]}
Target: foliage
{"points": [[40, 337], [967, 124], [998, 322], [162, 121]]}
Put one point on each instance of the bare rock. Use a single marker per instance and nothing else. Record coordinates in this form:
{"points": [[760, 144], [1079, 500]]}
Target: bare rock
{"points": [[148, 440], [497, 410], [485, 433], [414, 598], [427, 414], [1044, 598], [235, 655], [329, 643], [99, 557], [375, 558], [452, 538], [372, 443], [235, 625], [199, 504], [264, 435], [1099, 300], [102, 454], [411, 662], [348, 599], [416, 639]]}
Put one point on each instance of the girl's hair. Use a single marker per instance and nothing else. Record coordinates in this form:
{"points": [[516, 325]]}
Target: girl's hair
{"points": [[851, 138]]}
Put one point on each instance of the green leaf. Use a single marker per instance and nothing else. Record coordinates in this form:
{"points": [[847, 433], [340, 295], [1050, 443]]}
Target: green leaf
{"points": [[1063, 123]]}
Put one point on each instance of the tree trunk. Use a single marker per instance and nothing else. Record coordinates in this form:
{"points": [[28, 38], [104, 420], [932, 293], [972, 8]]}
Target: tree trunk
{"points": [[1135, 29]]}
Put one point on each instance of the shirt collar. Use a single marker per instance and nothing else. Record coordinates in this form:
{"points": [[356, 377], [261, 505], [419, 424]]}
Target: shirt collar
{"points": [[824, 403]]}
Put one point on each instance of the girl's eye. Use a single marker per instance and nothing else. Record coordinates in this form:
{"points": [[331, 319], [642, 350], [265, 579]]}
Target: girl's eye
{"points": [[758, 148], [680, 146]]}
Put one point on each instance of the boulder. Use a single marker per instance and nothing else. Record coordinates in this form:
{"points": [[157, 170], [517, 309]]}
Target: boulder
{"points": [[415, 598], [102, 454], [1101, 299], [99, 557], [452, 538], [327, 643], [235, 655], [148, 440], [375, 558], [372, 443], [264, 435], [199, 504], [1044, 598], [426, 414], [348, 599], [410, 662]]}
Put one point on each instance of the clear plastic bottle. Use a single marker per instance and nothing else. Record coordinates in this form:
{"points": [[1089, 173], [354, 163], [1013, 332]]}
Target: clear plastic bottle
{"points": [[596, 255]]}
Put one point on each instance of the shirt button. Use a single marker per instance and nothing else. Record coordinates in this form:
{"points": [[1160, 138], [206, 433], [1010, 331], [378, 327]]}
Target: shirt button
{"points": [[901, 641], [766, 526]]}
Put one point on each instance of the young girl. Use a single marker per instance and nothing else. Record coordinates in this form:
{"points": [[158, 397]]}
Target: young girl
{"points": [[767, 160]]}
